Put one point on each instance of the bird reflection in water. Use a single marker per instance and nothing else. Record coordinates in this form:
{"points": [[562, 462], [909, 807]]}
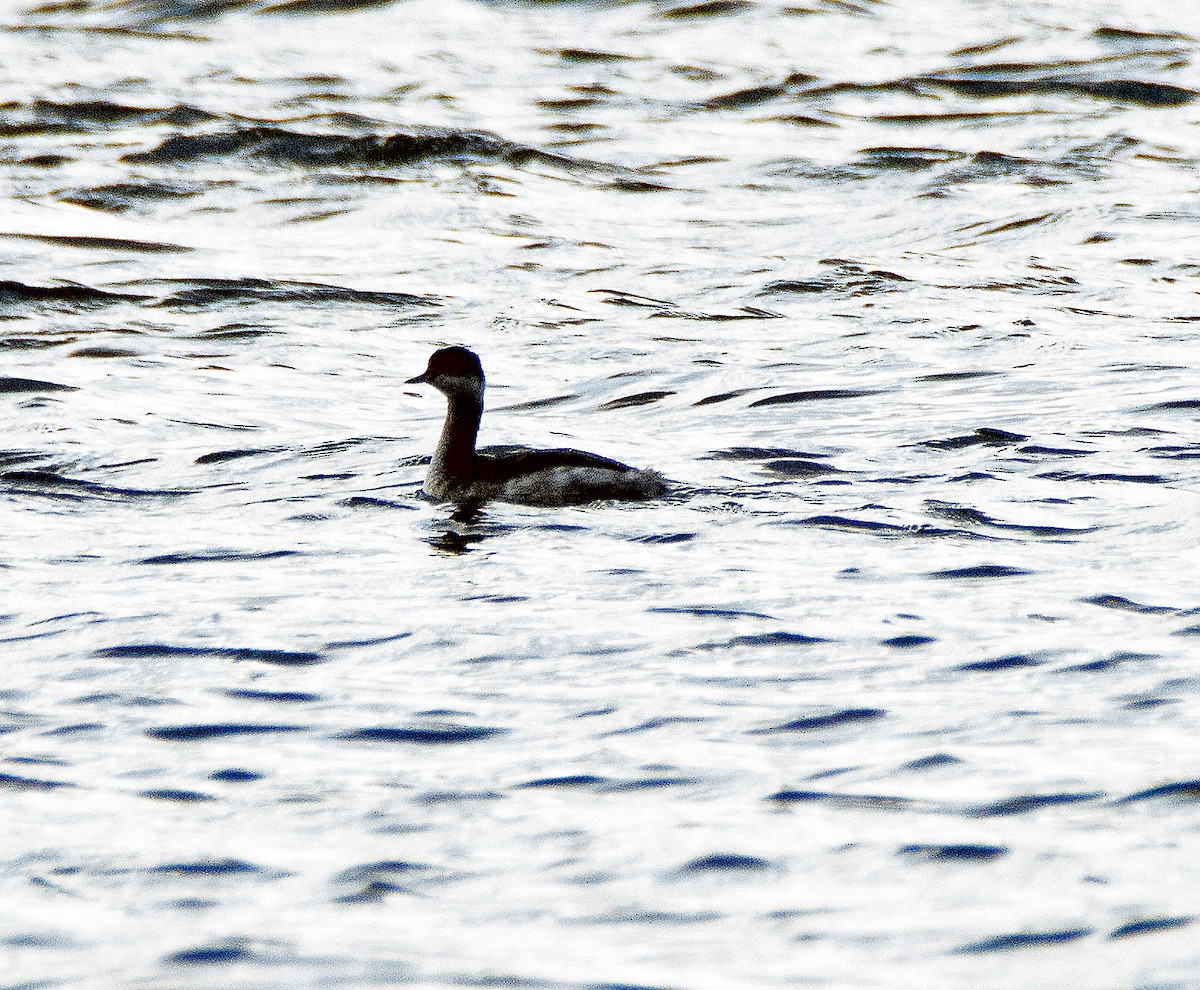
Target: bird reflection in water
{"points": [[464, 529]]}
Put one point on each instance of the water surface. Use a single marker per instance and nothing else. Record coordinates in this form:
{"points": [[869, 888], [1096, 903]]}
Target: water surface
{"points": [[897, 688]]}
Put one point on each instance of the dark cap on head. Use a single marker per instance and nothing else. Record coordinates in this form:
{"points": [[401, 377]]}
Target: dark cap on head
{"points": [[455, 362]]}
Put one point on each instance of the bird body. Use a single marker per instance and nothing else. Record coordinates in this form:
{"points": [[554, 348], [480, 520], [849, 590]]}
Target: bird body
{"points": [[461, 474]]}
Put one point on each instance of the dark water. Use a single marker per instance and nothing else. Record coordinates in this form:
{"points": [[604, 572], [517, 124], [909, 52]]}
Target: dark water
{"points": [[897, 689]]}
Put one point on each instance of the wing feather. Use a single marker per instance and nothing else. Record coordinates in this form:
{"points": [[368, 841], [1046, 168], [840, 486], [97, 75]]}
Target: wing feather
{"points": [[499, 465]]}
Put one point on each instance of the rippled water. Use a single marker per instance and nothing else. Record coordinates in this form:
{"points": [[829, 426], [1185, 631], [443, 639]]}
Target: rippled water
{"points": [[897, 689]]}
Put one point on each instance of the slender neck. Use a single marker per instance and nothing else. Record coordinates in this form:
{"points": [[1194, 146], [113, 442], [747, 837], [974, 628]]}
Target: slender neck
{"points": [[455, 454]]}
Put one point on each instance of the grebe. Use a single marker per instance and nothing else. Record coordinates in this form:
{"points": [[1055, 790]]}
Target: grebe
{"points": [[460, 474]]}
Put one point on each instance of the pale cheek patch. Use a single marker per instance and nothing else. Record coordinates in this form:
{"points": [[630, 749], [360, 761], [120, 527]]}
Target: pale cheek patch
{"points": [[460, 385]]}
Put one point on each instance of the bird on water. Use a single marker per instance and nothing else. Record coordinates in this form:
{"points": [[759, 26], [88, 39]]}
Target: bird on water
{"points": [[461, 474]]}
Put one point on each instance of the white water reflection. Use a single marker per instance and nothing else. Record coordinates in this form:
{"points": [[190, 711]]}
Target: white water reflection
{"points": [[897, 685]]}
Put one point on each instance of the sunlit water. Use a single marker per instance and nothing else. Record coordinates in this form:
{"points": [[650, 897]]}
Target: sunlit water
{"points": [[898, 687]]}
